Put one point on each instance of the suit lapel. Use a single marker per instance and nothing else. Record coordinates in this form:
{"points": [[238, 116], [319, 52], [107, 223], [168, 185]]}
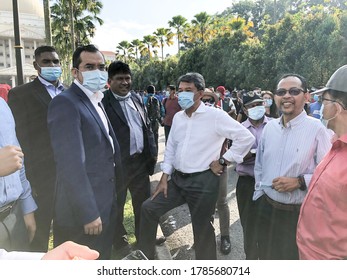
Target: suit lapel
{"points": [[41, 93], [116, 107], [84, 98]]}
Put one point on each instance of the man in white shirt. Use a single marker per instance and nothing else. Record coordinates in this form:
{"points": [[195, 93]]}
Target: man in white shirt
{"points": [[192, 159]]}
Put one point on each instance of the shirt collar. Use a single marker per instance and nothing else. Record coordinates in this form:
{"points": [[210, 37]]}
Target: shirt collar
{"points": [[294, 122], [93, 96], [247, 123], [201, 109], [48, 84]]}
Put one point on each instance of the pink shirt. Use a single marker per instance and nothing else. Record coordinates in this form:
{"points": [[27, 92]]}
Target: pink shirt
{"points": [[322, 225]]}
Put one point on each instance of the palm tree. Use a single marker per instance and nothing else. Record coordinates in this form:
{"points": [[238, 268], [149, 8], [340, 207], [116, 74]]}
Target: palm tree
{"points": [[201, 23], [164, 36], [179, 23], [126, 48], [149, 41], [67, 33]]}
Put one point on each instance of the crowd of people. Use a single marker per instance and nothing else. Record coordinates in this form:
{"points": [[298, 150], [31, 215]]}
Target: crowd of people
{"points": [[86, 146]]}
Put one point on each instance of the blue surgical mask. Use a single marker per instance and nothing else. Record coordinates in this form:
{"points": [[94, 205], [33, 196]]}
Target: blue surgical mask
{"points": [[167, 93], [50, 74], [94, 80], [186, 99], [315, 97], [256, 113], [268, 102]]}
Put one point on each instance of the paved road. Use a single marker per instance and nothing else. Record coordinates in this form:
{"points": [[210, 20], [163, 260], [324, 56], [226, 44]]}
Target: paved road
{"points": [[176, 224]]}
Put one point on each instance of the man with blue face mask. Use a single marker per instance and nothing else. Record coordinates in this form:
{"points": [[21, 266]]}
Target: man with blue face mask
{"points": [[29, 104], [87, 157], [254, 108], [193, 163]]}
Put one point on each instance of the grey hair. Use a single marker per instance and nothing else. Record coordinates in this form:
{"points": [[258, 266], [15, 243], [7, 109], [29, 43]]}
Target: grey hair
{"points": [[193, 77]]}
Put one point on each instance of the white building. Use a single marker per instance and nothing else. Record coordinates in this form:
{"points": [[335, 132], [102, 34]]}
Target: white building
{"points": [[32, 33]]}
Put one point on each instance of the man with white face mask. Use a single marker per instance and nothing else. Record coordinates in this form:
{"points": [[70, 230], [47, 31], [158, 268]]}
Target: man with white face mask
{"points": [[192, 159], [29, 104], [87, 157], [254, 108], [322, 226]]}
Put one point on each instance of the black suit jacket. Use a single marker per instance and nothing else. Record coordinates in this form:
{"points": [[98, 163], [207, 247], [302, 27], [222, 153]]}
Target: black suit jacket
{"points": [[122, 130], [29, 105]]}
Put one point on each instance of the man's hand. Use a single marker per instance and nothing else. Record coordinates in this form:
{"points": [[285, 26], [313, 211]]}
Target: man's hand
{"points": [[216, 168], [29, 220], [93, 228], [11, 160], [161, 187], [71, 251], [285, 184]]}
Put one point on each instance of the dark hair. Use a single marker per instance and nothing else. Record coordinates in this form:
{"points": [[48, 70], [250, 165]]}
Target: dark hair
{"points": [[301, 78], [118, 67], [41, 49], [171, 87], [76, 57], [341, 96], [150, 89], [195, 78]]}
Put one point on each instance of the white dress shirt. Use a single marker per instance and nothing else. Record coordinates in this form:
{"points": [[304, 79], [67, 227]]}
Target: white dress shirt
{"points": [[194, 142], [95, 98]]}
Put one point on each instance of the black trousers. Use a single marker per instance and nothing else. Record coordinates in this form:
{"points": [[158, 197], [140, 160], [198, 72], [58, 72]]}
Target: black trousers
{"points": [[138, 183], [200, 192], [167, 129], [102, 242], [248, 215], [276, 232]]}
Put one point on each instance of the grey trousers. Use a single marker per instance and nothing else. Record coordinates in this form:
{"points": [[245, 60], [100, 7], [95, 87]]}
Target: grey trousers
{"points": [[222, 204]]}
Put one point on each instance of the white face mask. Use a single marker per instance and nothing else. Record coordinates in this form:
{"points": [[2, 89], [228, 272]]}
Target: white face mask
{"points": [[324, 121], [94, 80], [167, 93], [256, 113]]}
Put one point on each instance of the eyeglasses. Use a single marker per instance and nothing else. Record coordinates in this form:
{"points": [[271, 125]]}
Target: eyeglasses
{"points": [[292, 91], [331, 100]]}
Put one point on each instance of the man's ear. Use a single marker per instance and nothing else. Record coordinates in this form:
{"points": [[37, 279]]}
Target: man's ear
{"points": [[74, 72], [36, 66]]}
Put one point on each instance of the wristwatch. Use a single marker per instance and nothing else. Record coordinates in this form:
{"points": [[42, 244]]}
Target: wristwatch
{"points": [[302, 183], [222, 161]]}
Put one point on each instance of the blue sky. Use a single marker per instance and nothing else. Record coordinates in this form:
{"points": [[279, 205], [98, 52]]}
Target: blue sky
{"points": [[133, 19]]}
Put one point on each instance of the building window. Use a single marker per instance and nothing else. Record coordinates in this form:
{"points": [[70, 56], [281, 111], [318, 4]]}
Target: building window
{"points": [[2, 64], [27, 56], [8, 65]]}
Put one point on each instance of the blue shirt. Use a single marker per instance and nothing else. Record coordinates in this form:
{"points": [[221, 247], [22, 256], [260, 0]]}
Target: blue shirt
{"points": [[315, 109], [14, 186], [52, 90], [289, 151]]}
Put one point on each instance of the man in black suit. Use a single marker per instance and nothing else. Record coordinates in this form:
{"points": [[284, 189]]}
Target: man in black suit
{"points": [[87, 157], [29, 104], [130, 122]]}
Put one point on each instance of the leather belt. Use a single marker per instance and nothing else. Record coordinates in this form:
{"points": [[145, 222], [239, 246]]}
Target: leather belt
{"points": [[283, 206], [187, 175], [6, 210]]}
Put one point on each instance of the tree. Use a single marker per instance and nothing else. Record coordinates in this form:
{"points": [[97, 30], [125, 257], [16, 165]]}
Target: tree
{"points": [[179, 23], [163, 36], [150, 42], [202, 24], [126, 48]]}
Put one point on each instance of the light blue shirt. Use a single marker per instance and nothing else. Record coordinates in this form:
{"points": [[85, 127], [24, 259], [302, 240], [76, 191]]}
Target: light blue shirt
{"points": [[289, 151], [14, 186], [134, 122], [52, 90]]}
